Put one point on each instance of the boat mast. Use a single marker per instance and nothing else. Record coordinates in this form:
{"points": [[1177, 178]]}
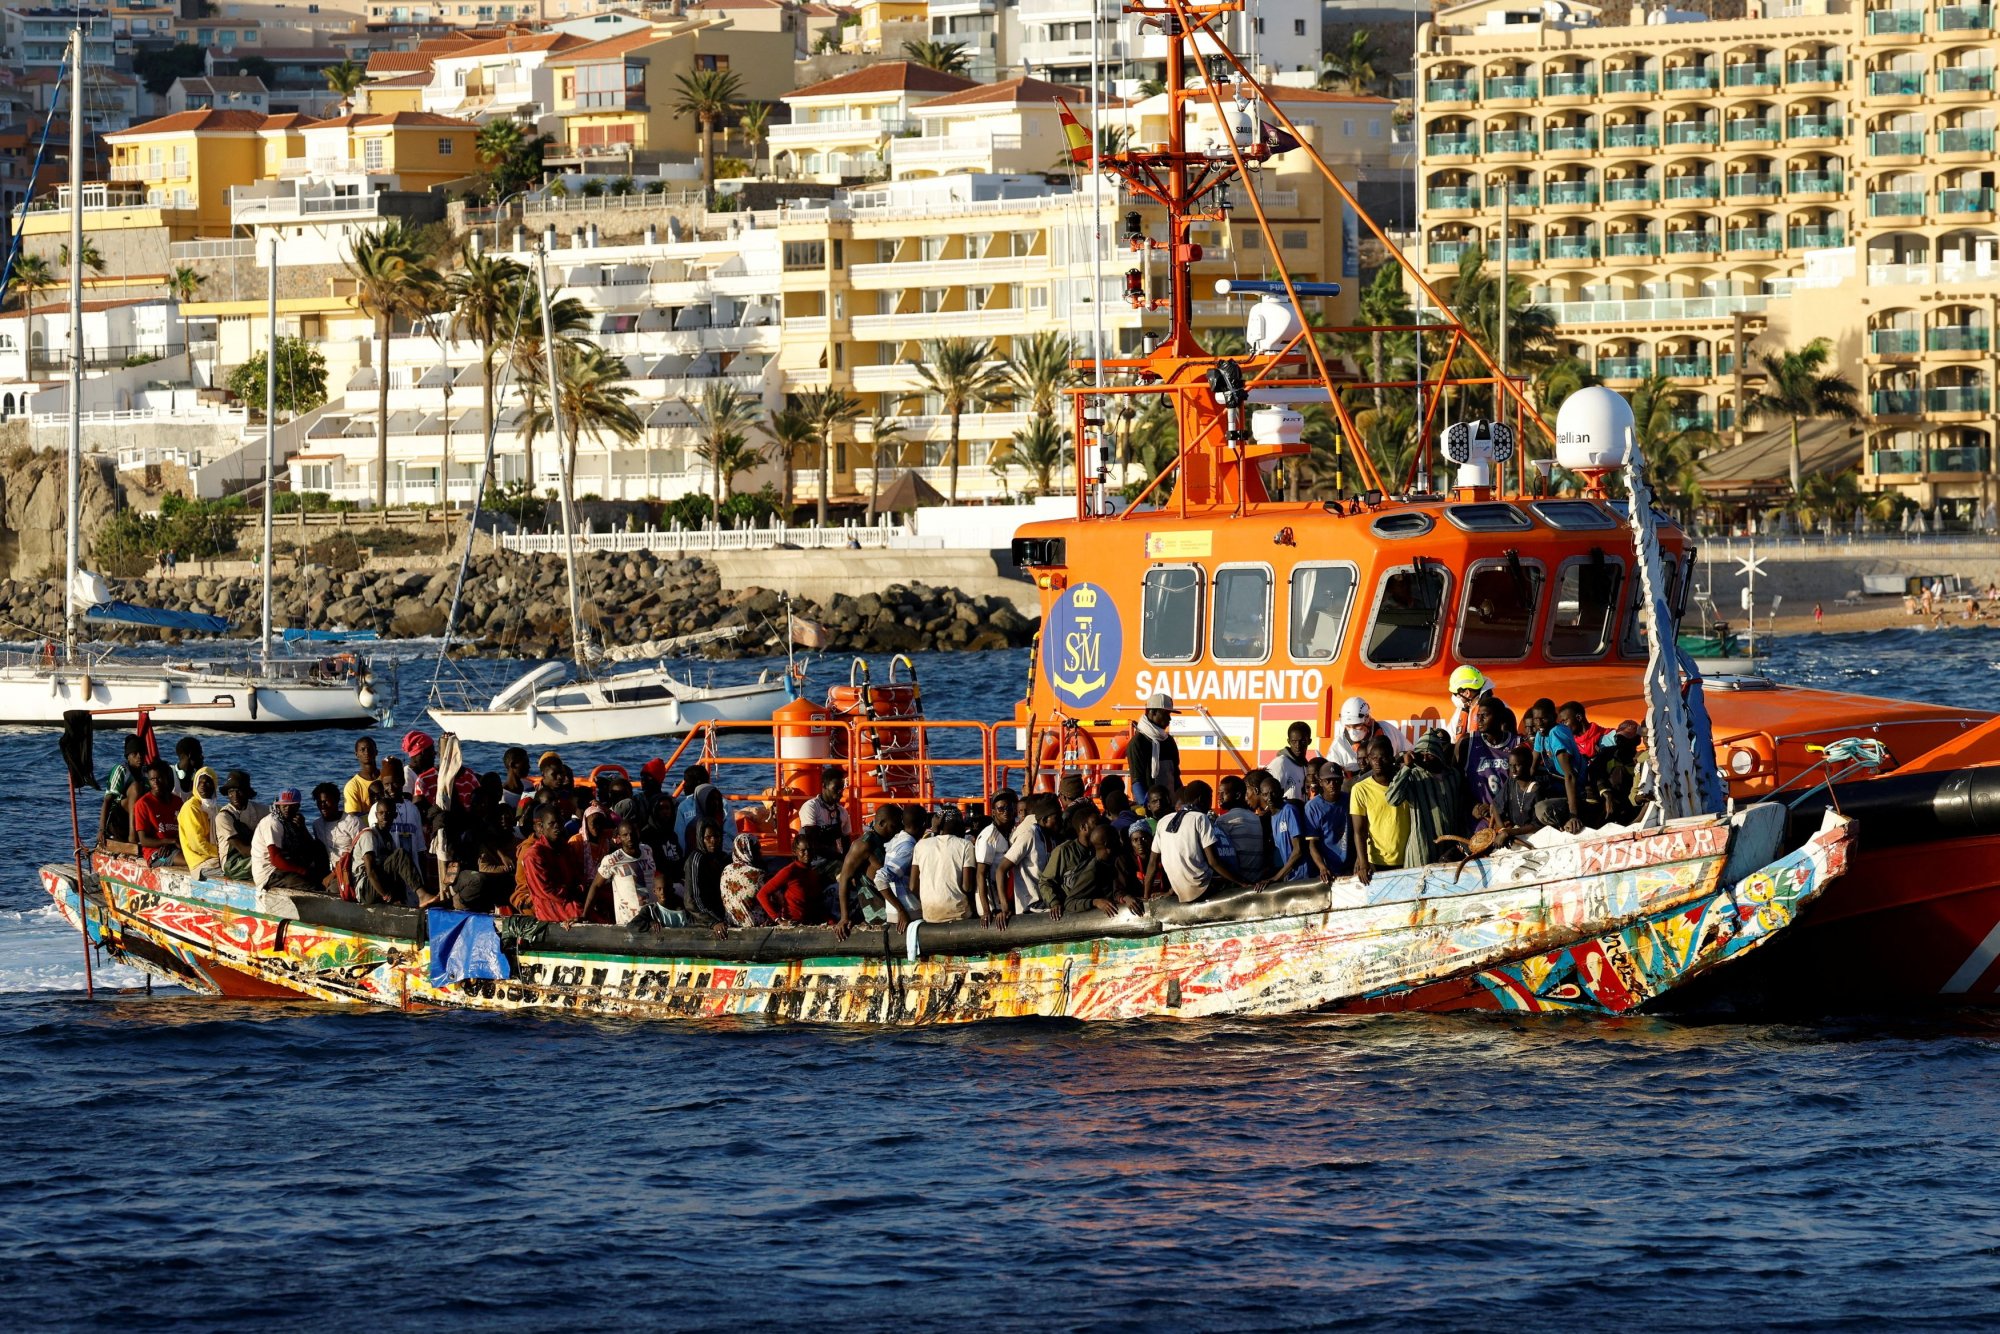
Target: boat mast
{"points": [[578, 642], [75, 452], [270, 439]]}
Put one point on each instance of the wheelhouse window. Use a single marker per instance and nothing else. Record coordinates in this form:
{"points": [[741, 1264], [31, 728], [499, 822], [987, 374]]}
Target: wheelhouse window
{"points": [[1586, 606], [1170, 615], [1409, 609], [1241, 624], [1633, 644], [1501, 599], [1321, 596]]}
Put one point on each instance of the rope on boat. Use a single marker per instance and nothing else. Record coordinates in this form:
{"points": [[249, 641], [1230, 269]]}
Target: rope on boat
{"points": [[1864, 751]]}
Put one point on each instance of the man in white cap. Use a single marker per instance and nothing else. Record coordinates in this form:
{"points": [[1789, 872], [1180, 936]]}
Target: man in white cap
{"points": [[1348, 746], [1151, 756]]}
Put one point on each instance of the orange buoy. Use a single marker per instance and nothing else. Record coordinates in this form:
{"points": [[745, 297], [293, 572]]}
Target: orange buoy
{"points": [[805, 743]]}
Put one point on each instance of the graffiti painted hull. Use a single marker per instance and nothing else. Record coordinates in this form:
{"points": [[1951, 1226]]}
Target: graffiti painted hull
{"points": [[1606, 923]]}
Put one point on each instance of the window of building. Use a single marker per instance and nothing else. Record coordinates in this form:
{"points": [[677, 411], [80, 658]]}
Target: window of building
{"points": [[885, 252], [1501, 598], [371, 154], [931, 300], [1585, 602], [1170, 614], [1260, 27], [1038, 298], [839, 255], [444, 148], [805, 254], [711, 62], [1321, 596], [978, 297], [1251, 239], [886, 302], [839, 304], [1298, 27], [1241, 630], [933, 248], [1409, 609], [1293, 240]]}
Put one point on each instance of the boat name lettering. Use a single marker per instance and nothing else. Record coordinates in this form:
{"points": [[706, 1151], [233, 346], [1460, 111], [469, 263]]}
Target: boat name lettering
{"points": [[1275, 684], [1672, 846]]}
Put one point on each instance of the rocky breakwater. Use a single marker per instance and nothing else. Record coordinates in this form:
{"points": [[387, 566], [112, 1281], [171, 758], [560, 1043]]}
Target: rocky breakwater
{"points": [[518, 606]]}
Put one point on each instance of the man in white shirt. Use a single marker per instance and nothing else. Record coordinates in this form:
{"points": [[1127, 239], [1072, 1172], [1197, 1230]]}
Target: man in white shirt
{"points": [[1289, 768], [335, 828], [990, 849], [1184, 848], [893, 880], [628, 871], [383, 871], [824, 810], [943, 879], [1027, 851], [270, 868], [1348, 746]]}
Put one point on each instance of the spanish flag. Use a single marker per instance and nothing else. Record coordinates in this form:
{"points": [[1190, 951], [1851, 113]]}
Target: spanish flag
{"points": [[1073, 131]]}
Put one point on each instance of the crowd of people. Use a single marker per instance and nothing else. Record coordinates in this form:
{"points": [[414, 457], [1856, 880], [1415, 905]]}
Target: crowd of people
{"points": [[420, 829]]}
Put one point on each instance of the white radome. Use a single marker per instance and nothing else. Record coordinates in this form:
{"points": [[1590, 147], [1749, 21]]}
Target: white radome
{"points": [[1593, 430]]}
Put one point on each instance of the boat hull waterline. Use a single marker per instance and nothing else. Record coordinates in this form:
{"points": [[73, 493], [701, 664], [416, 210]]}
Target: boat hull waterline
{"points": [[181, 699], [593, 722], [1604, 924]]}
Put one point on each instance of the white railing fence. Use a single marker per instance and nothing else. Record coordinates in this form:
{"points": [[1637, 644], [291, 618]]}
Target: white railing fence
{"points": [[758, 537]]}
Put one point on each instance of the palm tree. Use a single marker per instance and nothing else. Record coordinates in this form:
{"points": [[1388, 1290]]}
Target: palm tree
{"points": [[1039, 370], [964, 375], [525, 352], [885, 450], [707, 95], [1353, 65], [184, 283], [594, 402], [790, 430], [755, 122], [1111, 139], [944, 57], [1671, 451], [486, 291], [32, 276], [1383, 305], [1798, 387], [345, 79], [498, 142], [723, 417], [828, 410], [93, 259], [1041, 447], [392, 281], [1475, 298]]}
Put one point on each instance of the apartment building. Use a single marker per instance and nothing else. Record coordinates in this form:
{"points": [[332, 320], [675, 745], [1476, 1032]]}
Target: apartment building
{"points": [[989, 30], [1677, 187], [1273, 37], [844, 127]]}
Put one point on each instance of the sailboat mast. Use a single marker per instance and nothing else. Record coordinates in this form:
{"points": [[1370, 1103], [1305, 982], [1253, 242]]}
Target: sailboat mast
{"points": [[75, 451], [562, 452], [270, 438]]}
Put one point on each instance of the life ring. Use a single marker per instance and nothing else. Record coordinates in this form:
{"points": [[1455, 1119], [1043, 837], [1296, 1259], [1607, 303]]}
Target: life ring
{"points": [[1063, 749], [618, 769]]}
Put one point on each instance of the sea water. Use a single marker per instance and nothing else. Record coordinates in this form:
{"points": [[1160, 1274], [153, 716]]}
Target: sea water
{"points": [[178, 1162]]}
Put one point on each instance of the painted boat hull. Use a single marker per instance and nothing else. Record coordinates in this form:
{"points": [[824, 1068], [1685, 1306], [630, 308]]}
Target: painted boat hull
{"points": [[38, 697], [1606, 924], [593, 721]]}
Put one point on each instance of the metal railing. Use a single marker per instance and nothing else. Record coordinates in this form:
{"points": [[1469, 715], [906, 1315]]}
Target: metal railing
{"points": [[1958, 338], [1894, 342], [809, 537]]}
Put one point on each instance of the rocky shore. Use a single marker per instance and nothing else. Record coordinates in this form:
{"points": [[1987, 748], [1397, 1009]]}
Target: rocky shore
{"points": [[517, 606]]}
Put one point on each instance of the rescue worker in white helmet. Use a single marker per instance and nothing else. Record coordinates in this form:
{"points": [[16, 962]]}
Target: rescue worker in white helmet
{"points": [[1348, 746], [1468, 686]]}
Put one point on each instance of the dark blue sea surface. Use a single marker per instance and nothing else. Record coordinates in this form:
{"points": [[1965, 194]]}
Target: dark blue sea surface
{"points": [[177, 1162]]}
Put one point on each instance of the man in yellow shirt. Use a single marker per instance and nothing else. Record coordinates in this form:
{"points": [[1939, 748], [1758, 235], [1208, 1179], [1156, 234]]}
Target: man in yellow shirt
{"points": [[355, 798], [197, 824], [1381, 827]]}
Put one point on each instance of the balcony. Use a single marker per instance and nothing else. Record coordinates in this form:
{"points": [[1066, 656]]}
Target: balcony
{"points": [[1895, 22], [1685, 368], [1965, 139], [1691, 79], [1572, 247], [1511, 141], [1451, 196], [1751, 185], [1518, 252], [1959, 398], [1814, 238], [1517, 87], [1631, 136], [1896, 143], [1623, 368], [1755, 240], [1569, 85], [1750, 130], [1813, 71], [1571, 139], [1895, 462], [946, 152], [1894, 342], [1699, 420], [1964, 18], [1630, 245], [1968, 200], [1747, 75], [1965, 79], [1447, 252], [1438, 145], [1959, 458], [1630, 81], [1659, 308], [1958, 338], [1571, 192], [1631, 191], [1693, 187], [1692, 242], [1896, 83], [1895, 403], [1896, 204], [1450, 90], [1518, 195], [1688, 132], [1814, 183], [1815, 127], [150, 171]]}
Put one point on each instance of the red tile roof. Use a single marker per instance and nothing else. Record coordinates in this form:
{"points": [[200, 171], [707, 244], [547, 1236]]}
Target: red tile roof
{"points": [[185, 122], [1013, 90], [607, 47], [516, 45], [890, 77]]}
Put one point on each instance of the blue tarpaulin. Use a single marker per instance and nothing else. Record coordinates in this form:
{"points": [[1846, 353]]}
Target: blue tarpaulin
{"points": [[124, 613], [465, 944]]}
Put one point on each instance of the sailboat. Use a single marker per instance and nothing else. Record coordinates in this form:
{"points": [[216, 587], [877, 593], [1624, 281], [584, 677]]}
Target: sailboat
{"points": [[270, 695], [560, 701]]}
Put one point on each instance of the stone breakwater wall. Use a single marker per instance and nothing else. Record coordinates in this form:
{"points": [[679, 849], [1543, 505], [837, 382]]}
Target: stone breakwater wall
{"points": [[517, 606]]}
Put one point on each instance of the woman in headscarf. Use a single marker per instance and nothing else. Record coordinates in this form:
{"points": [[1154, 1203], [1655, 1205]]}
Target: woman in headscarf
{"points": [[741, 880], [197, 823], [701, 877]]}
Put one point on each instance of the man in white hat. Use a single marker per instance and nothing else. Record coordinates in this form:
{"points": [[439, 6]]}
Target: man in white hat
{"points": [[1348, 746], [1151, 756]]}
